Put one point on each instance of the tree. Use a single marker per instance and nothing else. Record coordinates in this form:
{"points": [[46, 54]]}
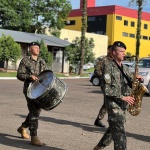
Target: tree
{"points": [[73, 52], [129, 56], [9, 50], [45, 54], [34, 15], [140, 4], [83, 30]]}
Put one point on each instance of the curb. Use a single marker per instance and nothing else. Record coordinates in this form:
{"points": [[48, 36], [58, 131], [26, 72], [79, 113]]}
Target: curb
{"points": [[8, 78]]}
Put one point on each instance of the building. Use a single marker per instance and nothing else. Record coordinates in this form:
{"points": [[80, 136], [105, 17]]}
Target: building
{"points": [[100, 41], [55, 46], [117, 22]]}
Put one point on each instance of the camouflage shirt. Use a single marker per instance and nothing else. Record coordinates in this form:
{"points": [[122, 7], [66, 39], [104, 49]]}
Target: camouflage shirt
{"points": [[116, 85], [100, 67], [28, 67]]}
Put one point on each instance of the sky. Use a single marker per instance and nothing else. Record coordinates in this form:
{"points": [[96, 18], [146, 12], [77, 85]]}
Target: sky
{"points": [[125, 3]]}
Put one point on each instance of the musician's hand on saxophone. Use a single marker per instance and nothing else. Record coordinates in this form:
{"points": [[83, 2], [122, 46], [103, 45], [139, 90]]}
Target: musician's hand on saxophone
{"points": [[130, 100], [140, 78]]}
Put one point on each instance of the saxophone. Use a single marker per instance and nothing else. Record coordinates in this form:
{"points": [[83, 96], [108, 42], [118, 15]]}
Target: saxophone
{"points": [[138, 91]]}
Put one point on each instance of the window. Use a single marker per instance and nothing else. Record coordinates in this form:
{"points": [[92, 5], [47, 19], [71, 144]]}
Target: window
{"points": [[145, 26], [91, 18], [125, 22], [132, 24], [145, 37], [132, 35], [99, 32], [125, 34], [70, 22], [118, 18]]}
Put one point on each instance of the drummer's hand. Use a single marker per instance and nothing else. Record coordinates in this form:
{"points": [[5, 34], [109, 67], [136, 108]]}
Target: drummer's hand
{"points": [[34, 78]]}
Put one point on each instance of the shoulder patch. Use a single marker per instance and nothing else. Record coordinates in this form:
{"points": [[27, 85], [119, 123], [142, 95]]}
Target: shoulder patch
{"points": [[107, 76]]}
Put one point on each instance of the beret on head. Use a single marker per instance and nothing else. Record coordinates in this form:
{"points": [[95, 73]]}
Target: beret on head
{"points": [[34, 44], [109, 47], [119, 44]]}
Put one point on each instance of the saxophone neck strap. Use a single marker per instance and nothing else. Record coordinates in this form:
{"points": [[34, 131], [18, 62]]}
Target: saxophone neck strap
{"points": [[126, 77]]}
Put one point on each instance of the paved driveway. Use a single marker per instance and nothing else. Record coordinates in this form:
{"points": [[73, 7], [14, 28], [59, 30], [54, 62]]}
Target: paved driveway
{"points": [[70, 125]]}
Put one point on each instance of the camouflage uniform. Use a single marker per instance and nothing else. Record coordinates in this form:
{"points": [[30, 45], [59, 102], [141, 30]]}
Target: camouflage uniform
{"points": [[28, 67], [115, 88], [99, 67]]}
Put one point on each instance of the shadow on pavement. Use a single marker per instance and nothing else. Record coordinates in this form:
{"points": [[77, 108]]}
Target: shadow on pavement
{"points": [[86, 127], [17, 142], [138, 137], [96, 91]]}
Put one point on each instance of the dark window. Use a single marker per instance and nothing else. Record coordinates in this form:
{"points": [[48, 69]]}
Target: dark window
{"points": [[125, 34], [145, 26], [145, 37], [132, 24], [97, 24], [125, 22], [91, 18], [70, 22], [118, 18], [132, 35], [149, 38]]}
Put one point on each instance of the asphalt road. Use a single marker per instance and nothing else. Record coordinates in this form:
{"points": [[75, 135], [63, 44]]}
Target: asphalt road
{"points": [[69, 126]]}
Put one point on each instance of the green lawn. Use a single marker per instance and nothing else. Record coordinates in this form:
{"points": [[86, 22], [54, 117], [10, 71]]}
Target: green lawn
{"points": [[8, 74], [90, 70]]}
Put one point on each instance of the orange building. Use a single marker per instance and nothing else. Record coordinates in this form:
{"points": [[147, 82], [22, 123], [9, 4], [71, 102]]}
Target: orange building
{"points": [[117, 22]]}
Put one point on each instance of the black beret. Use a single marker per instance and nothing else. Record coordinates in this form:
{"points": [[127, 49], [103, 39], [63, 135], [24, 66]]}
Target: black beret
{"points": [[109, 47], [119, 44], [34, 43]]}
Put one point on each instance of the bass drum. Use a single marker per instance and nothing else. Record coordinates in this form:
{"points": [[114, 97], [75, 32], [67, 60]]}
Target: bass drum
{"points": [[48, 92]]}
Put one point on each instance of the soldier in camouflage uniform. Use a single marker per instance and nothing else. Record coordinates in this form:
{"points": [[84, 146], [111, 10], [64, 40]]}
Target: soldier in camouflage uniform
{"points": [[29, 68], [99, 67], [117, 98]]}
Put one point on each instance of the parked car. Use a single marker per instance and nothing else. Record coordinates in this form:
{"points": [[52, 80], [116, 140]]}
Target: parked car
{"points": [[88, 66], [94, 79], [128, 63], [143, 70]]}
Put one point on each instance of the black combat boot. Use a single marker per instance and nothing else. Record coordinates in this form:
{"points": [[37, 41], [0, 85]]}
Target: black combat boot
{"points": [[36, 142], [98, 148], [98, 123]]}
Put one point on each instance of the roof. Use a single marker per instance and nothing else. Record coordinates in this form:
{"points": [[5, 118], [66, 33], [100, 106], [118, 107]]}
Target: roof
{"points": [[24, 37], [111, 9]]}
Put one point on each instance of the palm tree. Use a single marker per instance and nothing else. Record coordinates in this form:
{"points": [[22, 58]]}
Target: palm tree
{"points": [[83, 30]]}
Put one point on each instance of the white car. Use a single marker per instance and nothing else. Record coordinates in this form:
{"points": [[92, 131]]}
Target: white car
{"points": [[128, 63], [143, 70], [88, 66]]}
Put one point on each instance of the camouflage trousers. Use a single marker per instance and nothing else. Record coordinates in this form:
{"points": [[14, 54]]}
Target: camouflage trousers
{"points": [[31, 120], [103, 109], [116, 131], [102, 112]]}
